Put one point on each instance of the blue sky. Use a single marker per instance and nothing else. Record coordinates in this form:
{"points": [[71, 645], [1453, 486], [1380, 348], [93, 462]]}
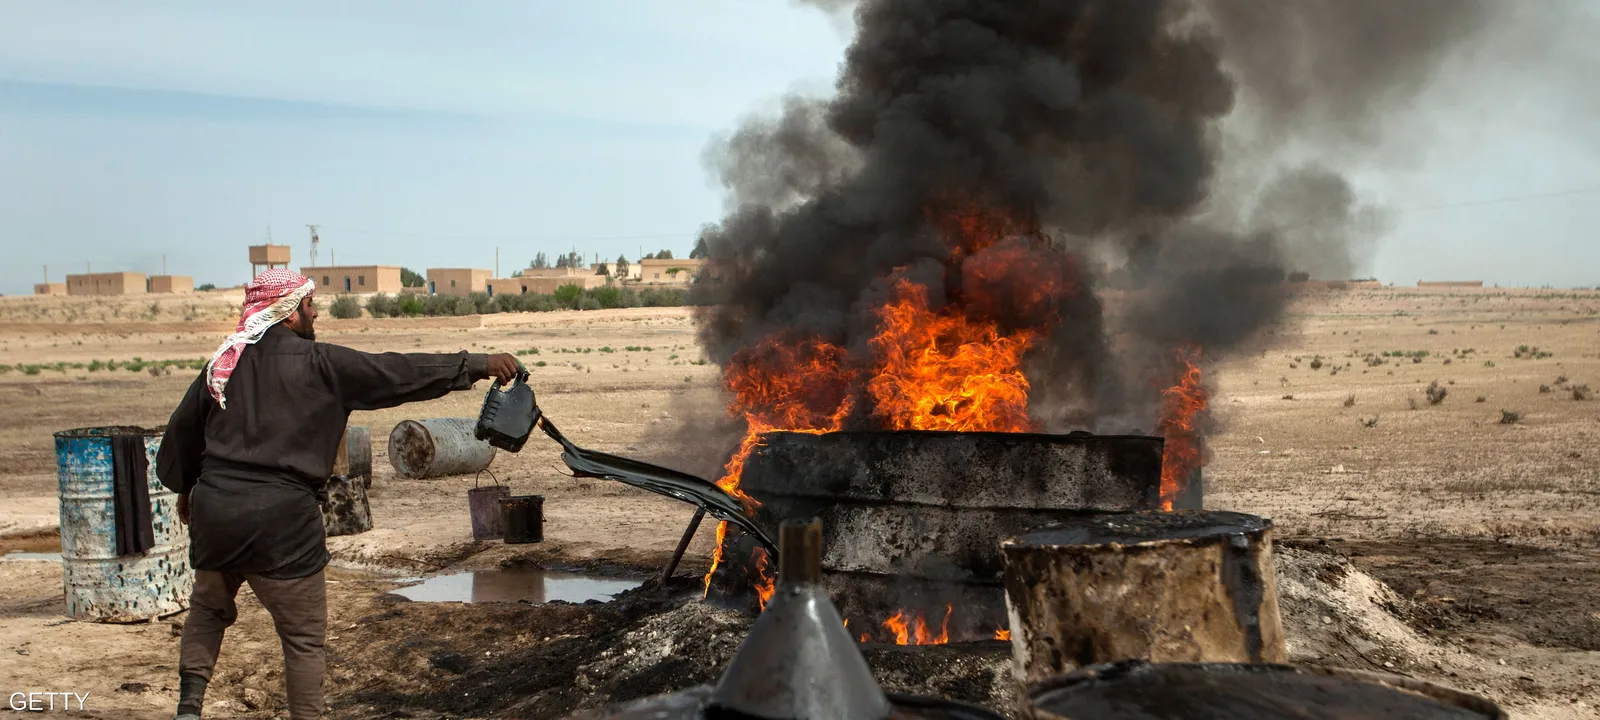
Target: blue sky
{"points": [[429, 133]]}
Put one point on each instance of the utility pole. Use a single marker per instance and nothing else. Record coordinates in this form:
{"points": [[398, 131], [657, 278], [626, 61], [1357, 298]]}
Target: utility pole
{"points": [[497, 261], [163, 263], [47, 274], [315, 241]]}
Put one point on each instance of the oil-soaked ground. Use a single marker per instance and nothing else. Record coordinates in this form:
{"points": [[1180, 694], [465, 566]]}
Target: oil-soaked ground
{"points": [[549, 660]]}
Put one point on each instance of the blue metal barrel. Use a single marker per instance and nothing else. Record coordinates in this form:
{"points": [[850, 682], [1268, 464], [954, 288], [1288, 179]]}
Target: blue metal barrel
{"points": [[99, 584]]}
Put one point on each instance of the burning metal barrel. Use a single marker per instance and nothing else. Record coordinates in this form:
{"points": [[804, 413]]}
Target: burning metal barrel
{"points": [[1136, 690], [914, 519]]}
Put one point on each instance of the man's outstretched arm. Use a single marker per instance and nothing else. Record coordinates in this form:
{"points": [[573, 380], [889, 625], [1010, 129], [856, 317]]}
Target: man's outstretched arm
{"points": [[374, 381]]}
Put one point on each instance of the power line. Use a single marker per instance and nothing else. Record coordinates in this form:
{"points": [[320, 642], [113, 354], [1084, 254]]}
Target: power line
{"points": [[668, 236], [512, 238], [1504, 200]]}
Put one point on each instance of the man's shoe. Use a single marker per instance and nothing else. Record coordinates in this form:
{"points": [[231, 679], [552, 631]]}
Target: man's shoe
{"points": [[187, 716]]}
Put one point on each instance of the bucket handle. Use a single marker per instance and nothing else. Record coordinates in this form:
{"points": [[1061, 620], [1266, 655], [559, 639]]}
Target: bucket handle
{"points": [[496, 480]]}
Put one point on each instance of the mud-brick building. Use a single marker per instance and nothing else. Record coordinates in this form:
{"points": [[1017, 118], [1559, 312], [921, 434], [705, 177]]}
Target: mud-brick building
{"points": [[108, 283], [355, 279]]}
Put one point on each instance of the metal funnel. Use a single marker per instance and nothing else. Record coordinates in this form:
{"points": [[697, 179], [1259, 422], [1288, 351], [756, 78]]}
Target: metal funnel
{"points": [[798, 662]]}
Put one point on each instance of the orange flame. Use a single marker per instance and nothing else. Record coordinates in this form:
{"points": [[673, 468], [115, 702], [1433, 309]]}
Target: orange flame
{"points": [[764, 584], [912, 629], [931, 365], [1180, 404], [945, 371], [1002, 634], [800, 387]]}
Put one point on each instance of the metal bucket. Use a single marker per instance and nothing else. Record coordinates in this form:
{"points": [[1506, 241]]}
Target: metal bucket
{"points": [[1135, 689], [483, 503], [437, 447], [523, 516], [98, 584]]}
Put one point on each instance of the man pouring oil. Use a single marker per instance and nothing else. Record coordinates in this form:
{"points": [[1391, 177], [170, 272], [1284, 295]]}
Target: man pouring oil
{"points": [[248, 450]]}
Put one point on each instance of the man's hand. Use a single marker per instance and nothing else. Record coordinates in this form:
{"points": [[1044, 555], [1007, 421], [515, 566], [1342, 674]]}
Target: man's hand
{"points": [[503, 367], [183, 508]]}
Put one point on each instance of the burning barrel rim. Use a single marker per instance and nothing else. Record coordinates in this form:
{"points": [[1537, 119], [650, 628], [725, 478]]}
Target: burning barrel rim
{"points": [[965, 470], [1062, 685]]}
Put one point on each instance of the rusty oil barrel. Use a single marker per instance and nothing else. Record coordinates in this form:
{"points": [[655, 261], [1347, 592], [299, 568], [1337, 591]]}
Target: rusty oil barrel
{"points": [[99, 584], [522, 519], [1135, 689], [437, 447], [346, 511], [358, 453]]}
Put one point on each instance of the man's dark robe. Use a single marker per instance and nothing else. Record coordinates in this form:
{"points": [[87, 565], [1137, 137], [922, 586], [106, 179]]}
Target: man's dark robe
{"points": [[253, 470]]}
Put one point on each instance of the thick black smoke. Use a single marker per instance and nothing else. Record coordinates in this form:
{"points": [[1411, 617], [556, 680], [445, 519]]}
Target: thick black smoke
{"points": [[1093, 130]]}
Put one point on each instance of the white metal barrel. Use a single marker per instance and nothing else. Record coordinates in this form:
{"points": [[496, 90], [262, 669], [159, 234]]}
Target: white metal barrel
{"points": [[437, 447]]}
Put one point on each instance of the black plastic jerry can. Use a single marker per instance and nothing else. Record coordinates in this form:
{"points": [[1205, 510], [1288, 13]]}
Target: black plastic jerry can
{"points": [[508, 415]]}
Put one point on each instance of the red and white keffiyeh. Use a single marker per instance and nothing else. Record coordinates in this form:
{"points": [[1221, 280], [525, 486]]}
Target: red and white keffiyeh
{"points": [[272, 297]]}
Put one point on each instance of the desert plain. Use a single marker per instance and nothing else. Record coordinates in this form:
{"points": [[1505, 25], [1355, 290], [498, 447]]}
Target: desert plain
{"points": [[1437, 451]]}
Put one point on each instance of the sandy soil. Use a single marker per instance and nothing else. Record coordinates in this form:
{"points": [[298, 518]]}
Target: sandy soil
{"points": [[1476, 543]]}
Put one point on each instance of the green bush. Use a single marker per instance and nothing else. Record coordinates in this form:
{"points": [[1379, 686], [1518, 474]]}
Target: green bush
{"points": [[606, 296], [588, 303], [382, 305], [345, 307], [463, 306], [410, 306], [661, 297], [507, 303], [482, 304], [568, 296]]}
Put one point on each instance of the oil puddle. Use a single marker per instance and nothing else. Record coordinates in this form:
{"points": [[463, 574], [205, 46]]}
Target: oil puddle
{"points": [[530, 585], [20, 555], [40, 546]]}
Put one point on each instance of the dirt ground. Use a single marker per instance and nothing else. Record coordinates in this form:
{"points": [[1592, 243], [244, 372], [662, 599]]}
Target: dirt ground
{"points": [[1465, 550]]}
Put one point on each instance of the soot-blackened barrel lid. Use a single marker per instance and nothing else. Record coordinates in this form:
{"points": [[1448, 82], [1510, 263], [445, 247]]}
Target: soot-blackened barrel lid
{"points": [[1139, 528], [1139, 690]]}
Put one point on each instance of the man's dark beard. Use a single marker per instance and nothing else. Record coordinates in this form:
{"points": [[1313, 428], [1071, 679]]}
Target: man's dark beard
{"points": [[303, 328]]}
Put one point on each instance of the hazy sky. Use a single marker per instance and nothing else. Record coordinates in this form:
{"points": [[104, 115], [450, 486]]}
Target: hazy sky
{"points": [[426, 134]]}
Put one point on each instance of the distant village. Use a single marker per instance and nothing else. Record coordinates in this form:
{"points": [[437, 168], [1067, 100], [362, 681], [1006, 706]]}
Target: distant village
{"points": [[542, 276]]}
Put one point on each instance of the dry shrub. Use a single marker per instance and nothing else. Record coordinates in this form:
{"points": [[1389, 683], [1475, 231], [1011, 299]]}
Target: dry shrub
{"points": [[1436, 393], [1580, 392], [1544, 389], [1510, 417], [1350, 400]]}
